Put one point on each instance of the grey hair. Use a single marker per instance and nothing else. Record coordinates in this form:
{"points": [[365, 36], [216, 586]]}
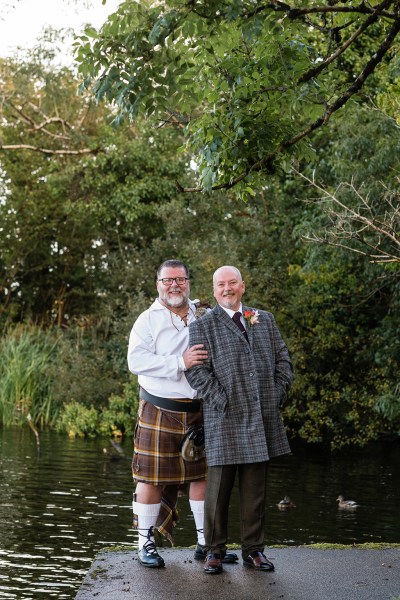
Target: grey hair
{"points": [[174, 264], [238, 273]]}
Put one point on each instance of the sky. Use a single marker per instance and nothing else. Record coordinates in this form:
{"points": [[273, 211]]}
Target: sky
{"points": [[22, 21]]}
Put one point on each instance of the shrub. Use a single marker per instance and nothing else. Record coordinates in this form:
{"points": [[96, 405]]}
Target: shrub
{"points": [[78, 420], [84, 371], [119, 417], [116, 419]]}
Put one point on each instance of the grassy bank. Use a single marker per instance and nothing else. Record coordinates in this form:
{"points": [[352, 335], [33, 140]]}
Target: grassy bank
{"points": [[66, 381]]}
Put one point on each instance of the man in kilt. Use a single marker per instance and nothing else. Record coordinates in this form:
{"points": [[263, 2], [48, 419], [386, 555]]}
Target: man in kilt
{"points": [[159, 354]]}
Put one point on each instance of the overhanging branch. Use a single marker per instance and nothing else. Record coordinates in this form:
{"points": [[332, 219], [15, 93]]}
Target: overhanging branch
{"points": [[358, 229], [354, 88], [49, 151]]}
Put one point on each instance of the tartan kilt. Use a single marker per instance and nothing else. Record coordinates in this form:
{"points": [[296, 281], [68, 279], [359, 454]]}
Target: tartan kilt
{"points": [[156, 456]]}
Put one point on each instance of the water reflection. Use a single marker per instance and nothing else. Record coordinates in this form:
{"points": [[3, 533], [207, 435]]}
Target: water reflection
{"points": [[60, 507]]}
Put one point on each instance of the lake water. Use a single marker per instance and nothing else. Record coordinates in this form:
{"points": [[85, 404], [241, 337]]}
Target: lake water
{"points": [[60, 506]]}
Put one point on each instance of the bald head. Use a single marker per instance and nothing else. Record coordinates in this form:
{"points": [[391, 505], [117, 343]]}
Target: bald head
{"points": [[229, 287], [222, 270]]}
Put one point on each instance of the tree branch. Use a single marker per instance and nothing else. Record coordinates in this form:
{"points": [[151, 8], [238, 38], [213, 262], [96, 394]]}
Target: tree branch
{"points": [[48, 150], [350, 224], [371, 19], [294, 12], [41, 126], [267, 161]]}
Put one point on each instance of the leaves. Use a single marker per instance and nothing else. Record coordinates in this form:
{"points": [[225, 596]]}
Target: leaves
{"points": [[264, 76], [82, 235]]}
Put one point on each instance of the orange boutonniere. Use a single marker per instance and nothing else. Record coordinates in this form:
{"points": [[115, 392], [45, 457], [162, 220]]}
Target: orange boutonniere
{"points": [[251, 316]]}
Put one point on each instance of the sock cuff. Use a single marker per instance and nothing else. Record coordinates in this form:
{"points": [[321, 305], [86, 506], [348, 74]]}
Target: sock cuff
{"points": [[146, 510], [196, 505]]}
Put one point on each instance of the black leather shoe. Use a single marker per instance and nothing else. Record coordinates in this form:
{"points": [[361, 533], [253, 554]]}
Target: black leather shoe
{"points": [[149, 557], [228, 558], [213, 564], [256, 560]]}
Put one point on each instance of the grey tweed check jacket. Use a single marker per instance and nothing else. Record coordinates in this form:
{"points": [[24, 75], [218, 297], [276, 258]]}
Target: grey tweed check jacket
{"points": [[243, 386]]}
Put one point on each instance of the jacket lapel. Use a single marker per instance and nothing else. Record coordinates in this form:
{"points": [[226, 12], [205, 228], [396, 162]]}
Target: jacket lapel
{"points": [[223, 316]]}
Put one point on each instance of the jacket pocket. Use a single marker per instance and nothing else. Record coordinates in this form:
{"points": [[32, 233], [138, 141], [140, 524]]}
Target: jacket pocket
{"points": [[281, 395]]}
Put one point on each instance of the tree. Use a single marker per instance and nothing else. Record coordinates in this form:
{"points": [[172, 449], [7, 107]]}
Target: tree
{"points": [[346, 349], [346, 308], [71, 223], [360, 229], [354, 188], [43, 113], [248, 82]]}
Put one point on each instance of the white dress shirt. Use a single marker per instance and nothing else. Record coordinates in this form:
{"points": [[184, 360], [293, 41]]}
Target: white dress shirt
{"points": [[232, 312], [157, 341]]}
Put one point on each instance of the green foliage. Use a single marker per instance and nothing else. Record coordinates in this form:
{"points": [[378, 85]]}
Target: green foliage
{"points": [[85, 368], [82, 238], [70, 381], [117, 418], [75, 223], [251, 81], [337, 396], [78, 420], [388, 403], [25, 355]]}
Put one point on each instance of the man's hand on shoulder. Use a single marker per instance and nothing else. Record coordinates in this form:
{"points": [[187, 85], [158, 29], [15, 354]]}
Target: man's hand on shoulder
{"points": [[195, 355]]}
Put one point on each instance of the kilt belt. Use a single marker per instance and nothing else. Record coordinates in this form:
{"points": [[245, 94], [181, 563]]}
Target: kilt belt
{"points": [[177, 404]]}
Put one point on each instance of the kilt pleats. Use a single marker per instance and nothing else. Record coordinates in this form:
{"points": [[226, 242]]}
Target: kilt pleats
{"points": [[156, 457]]}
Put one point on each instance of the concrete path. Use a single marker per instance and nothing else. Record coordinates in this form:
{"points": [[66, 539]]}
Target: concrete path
{"points": [[301, 573]]}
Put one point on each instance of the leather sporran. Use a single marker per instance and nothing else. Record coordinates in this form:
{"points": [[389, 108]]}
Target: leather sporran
{"points": [[192, 445]]}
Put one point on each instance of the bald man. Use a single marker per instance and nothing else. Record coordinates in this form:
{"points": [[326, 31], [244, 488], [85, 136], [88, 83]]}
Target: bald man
{"points": [[243, 383]]}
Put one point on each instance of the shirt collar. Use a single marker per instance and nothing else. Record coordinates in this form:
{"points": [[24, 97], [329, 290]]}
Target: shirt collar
{"points": [[232, 312]]}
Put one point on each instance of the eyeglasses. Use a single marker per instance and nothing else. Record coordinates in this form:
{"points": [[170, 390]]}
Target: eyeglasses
{"points": [[170, 280]]}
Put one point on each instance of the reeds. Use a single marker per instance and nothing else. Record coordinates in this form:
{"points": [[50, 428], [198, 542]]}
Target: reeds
{"points": [[25, 355]]}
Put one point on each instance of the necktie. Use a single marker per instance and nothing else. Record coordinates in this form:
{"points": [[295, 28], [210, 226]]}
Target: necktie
{"points": [[238, 322]]}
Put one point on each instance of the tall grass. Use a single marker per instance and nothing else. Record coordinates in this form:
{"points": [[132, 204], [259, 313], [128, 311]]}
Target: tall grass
{"points": [[26, 353]]}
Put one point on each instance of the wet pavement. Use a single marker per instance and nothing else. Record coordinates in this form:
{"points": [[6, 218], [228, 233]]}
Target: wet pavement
{"points": [[301, 573]]}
